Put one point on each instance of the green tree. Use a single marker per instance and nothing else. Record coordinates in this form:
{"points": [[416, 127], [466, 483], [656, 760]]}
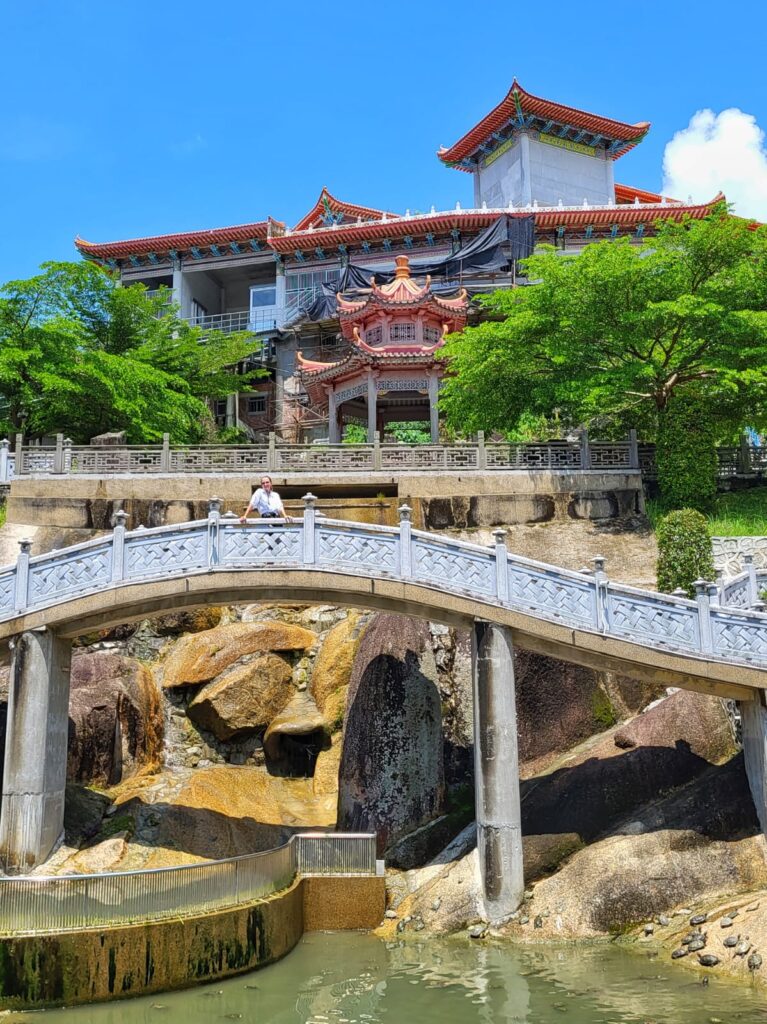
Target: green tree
{"points": [[608, 336], [686, 453], [82, 355], [684, 551]]}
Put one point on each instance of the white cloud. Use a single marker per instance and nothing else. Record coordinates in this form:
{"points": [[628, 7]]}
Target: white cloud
{"points": [[719, 152]]}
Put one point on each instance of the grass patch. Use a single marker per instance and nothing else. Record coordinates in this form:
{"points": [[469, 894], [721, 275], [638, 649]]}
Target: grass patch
{"points": [[734, 513], [3, 513]]}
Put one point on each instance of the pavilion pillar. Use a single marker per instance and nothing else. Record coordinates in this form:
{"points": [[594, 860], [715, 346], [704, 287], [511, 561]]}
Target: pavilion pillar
{"points": [[496, 770], [372, 410], [434, 407], [35, 769], [334, 432], [753, 719]]}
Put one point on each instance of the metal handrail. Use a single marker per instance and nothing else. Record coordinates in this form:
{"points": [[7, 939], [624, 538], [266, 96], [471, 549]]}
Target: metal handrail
{"points": [[55, 903]]}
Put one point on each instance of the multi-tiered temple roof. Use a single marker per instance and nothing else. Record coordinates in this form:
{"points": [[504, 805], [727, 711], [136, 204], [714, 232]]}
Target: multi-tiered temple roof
{"points": [[334, 227]]}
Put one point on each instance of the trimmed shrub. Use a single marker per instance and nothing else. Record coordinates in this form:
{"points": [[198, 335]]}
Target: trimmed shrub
{"points": [[685, 453], [684, 551]]}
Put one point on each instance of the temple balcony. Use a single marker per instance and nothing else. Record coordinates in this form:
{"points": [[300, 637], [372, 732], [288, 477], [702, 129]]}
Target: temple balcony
{"points": [[256, 321]]}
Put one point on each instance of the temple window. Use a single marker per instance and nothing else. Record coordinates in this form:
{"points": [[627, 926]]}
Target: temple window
{"points": [[402, 332], [374, 336], [432, 335]]}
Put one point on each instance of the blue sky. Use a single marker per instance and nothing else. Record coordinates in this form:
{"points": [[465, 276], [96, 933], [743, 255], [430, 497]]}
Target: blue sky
{"points": [[121, 120]]}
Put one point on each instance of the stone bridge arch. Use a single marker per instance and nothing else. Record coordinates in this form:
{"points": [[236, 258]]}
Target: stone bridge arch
{"points": [[46, 601]]}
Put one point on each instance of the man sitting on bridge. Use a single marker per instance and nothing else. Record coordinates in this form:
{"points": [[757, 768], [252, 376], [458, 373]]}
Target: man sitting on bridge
{"points": [[266, 502]]}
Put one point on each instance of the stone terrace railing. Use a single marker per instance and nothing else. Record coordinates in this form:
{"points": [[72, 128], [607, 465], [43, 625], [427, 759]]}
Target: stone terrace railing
{"points": [[745, 589], [74, 902], [253, 459], [746, 459], [493, 576]]}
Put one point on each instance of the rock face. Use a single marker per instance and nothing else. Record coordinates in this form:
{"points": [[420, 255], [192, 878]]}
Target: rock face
{"points": [[222, 811], [559, 705], [692, 845], [592, 791], [116, 724], [203, 656], [391, 776], [244, 698]]}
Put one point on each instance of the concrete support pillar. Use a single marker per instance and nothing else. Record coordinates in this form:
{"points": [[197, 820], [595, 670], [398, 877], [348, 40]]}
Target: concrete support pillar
{"points": [[334, 429], [496, 770], [372, 403], [35, 771], [434, 408], [753, 720]]}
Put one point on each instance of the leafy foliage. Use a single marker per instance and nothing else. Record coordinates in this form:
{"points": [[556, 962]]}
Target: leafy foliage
{"points": [[684, 551], [81, 355], [355, 433], [685, 453], [410, 432], [607, 337]]}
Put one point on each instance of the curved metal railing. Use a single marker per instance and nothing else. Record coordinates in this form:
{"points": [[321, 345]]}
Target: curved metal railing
{"points": [[580, 600], [72, 902]]}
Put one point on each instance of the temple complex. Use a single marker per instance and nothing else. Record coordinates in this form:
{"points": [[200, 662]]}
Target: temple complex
{"points": [[350, 305]]}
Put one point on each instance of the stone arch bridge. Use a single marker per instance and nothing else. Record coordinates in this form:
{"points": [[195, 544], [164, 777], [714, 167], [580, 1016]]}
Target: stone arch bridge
{"points": [[715, 644]]}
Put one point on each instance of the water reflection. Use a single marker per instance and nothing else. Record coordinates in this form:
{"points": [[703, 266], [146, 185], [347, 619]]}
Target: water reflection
{"points": [[357, 979]]}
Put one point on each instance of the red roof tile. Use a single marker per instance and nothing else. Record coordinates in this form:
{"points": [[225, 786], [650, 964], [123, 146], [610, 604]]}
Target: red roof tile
{"points": [[314, 217], [260, 231]]}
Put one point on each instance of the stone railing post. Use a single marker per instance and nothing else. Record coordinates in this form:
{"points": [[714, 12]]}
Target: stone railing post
{"points": [[310, 513], [752, 586], [600, 588], [633, 450], [405, 539], [501, 566], [4, 464], [18, 469], [680, 592], [118, 546], [704, 615], [22, 575], [165, 454], [713, 595], [377, 463], [58, 456], [271, 455], [67, 456], [214, 521], [744, 455], [585, 451], [481, 450]]}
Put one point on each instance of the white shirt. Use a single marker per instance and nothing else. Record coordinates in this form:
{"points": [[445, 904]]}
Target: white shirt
{"points": [[263, 501]]}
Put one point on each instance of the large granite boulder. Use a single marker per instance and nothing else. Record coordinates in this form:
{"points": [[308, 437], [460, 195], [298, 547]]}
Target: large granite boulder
{"points": [[115, 718], [333, 667], [243, 698], [295, 737], [391, 775], [200, 657]]}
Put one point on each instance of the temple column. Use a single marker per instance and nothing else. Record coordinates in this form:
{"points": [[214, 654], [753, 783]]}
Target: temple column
{"points": [[434, 407], [753, 719], [496, 770], [334, 432], [372, 410], [35, 770]]}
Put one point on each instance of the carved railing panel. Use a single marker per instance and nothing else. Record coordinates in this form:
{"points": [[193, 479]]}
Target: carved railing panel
{"points": [[652, 618], [554, 595], [739, 635], [462, 569], [260, 544], [341, 547], [69, 573], [167, 552], [7, 589]]}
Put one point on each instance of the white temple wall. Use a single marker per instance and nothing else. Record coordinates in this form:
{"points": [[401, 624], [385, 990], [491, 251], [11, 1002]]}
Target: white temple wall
{"points": [[535, 171]]}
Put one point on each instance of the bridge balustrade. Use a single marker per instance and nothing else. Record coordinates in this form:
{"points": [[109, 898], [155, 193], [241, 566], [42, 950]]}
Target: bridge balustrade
{"points": [[724, 622]]}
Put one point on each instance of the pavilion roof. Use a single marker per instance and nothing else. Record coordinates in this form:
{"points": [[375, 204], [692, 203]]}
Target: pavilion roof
{"points": [[629, 194], [329, 210], [402, 293], [520, 108]]}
